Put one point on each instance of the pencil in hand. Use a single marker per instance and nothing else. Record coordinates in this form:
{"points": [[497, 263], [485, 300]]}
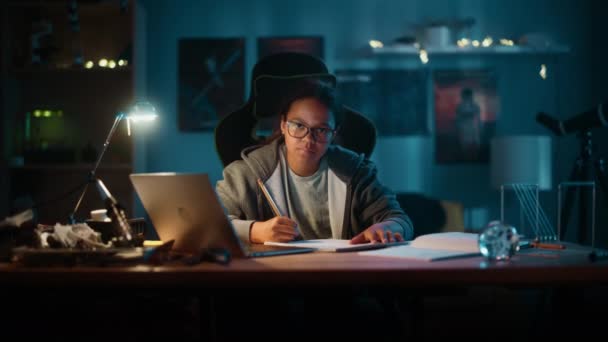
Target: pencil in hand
{"points": [[273, 205]]}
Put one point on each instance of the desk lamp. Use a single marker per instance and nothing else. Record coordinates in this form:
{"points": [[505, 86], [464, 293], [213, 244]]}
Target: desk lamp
{"points": [[141, 111]]}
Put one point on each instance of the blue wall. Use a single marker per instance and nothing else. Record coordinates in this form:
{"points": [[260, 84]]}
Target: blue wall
{"points": [[346, 26]]}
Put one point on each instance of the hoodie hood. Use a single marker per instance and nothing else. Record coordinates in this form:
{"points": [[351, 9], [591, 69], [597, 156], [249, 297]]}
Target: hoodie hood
{"points": [[264, 159]]}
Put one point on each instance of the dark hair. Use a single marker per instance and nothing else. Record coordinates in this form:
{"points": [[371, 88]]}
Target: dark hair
{"points": [[311, 88], [307, 88]]}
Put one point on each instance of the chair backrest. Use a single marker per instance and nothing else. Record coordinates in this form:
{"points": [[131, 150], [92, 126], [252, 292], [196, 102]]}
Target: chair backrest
{"points": [[270, 76], [357, 133], [430, 215]]}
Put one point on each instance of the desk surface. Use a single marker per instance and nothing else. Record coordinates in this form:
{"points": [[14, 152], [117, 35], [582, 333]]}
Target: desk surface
{"points": [[528, 268]]}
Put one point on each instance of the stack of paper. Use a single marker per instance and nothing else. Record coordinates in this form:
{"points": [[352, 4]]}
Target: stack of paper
{"points": [[431, 247]]}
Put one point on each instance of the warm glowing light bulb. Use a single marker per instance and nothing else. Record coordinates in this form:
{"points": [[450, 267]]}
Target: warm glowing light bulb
{"points": [[543, 71], [103, 62], [487, 41], [424, 56], [89, 64], [375, 44], [506, 42], [463, 42], [111, 64], [122, 62]]}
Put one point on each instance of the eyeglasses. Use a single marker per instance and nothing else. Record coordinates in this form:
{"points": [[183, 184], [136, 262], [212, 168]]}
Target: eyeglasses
{"points": [[300, 130]]}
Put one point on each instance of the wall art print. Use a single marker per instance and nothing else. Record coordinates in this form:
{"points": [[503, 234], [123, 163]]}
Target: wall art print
{"points": [[211, 80]]}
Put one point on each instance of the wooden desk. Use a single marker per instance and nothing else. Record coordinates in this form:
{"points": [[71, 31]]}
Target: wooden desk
{"points": [[228, 295], [528, 268]]}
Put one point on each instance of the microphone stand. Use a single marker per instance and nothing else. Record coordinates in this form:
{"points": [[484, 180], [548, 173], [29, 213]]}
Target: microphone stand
{"points": [[92, 174], [122, 228]]}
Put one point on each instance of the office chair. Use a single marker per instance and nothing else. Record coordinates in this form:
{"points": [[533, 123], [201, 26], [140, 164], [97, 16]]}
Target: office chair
{"points": [[432, 215], [272, 76]]}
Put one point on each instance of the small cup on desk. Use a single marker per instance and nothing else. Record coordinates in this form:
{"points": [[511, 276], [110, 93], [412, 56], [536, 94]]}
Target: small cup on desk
{"points": [[100, 215], [101, 223]]}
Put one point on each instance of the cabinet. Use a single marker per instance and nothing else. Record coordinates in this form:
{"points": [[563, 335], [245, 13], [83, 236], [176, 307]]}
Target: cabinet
{"points": [[59, 103]]}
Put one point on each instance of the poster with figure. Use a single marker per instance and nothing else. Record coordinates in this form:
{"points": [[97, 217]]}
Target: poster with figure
{"points": [[466, 109], [211, 81], [394, 99]]}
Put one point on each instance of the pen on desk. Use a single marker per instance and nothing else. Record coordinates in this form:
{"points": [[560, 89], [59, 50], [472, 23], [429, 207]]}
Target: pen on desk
{"points": [[545, 245], [273, 205]]}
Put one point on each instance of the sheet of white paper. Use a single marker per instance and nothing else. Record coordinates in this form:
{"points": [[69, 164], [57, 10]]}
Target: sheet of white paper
{"points": [[426, 254]]}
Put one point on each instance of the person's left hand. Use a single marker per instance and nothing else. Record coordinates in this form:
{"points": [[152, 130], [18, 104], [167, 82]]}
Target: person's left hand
{"points": [[379, 232]]}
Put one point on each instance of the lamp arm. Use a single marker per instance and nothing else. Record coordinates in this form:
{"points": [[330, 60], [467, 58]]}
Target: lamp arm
{"points": [[119, 117], [92, 174]]}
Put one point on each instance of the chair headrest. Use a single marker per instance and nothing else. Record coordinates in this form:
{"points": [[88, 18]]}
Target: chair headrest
{"points": [[272, 78], [276, 75], [288, 64]]}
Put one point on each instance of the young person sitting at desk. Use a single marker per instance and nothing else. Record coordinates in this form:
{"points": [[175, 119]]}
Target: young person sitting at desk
{"points": [[321, 190]]}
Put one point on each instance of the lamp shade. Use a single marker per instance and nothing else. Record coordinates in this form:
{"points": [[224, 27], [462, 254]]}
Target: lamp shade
{"points": [[142, 111], [524, 159]]}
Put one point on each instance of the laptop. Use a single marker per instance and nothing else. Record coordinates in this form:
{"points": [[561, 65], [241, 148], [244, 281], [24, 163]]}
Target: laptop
{"points": [[184, 207]]}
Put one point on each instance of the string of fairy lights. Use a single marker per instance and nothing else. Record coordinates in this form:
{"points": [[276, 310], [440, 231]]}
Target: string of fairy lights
{"points": [[107, 63], [465, 44]]}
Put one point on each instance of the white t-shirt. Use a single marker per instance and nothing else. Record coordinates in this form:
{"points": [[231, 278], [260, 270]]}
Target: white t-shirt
{"points": [[307, 200]]}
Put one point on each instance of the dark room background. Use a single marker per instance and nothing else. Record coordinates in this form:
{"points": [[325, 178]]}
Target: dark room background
{"points": [[407, 156]]}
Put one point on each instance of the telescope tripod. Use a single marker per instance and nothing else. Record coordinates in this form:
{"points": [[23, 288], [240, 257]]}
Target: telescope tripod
{"points": [[587, 171]]}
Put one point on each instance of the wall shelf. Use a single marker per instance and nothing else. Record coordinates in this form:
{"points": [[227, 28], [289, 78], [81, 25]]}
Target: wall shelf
{"points": [[470, 51], [54, 71], [72, 166]]}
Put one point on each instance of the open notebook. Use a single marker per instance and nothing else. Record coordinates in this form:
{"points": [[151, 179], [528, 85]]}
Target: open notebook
{"points": [[432, 247], [334, 245]]}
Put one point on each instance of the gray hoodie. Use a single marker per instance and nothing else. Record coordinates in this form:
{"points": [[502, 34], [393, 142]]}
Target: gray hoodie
{"points": [[356, 198]]}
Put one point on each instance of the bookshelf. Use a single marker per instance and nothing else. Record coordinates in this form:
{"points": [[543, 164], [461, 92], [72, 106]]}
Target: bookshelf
{"points": [[50, 154]]}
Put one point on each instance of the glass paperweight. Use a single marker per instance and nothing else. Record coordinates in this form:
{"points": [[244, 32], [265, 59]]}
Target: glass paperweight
{"points": [[498, 241]]}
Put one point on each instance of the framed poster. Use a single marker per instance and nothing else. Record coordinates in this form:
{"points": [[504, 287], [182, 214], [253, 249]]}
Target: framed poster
{"points": [[311, 45], [211, 80], [466, 107], [395, 100]]}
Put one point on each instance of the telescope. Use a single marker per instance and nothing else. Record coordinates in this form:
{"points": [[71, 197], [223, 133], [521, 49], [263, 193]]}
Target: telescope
{"points": [[592, 118], [587, 169]]}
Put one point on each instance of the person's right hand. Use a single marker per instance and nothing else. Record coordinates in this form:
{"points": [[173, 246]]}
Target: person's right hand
{"points": [[279, 228]]}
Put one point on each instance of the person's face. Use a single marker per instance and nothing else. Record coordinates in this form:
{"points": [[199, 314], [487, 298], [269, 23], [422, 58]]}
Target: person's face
{"points": [[310, 117]]}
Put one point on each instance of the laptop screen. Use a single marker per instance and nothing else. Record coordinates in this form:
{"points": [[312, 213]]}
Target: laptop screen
{"points": [[186, 209]]}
